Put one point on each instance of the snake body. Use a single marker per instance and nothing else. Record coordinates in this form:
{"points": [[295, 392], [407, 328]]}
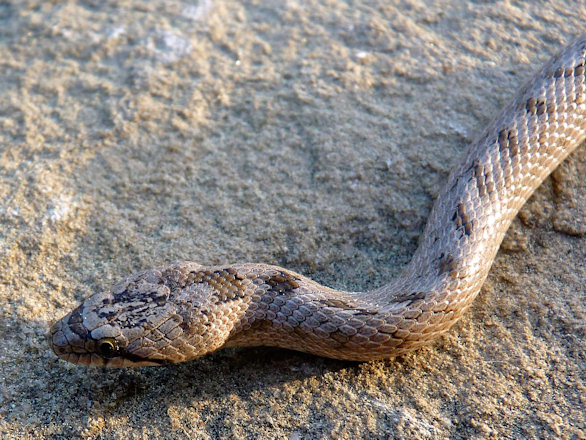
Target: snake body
{"points": [[185, 310]]}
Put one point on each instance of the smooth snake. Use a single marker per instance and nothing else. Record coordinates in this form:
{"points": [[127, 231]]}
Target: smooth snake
{"points": [[185, 310]]}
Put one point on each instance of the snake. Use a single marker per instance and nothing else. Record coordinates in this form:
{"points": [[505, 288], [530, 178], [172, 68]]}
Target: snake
{"points": [[185, 310]]}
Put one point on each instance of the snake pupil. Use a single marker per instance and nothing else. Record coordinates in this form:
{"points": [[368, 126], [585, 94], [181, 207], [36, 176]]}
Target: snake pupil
{"points": [[108, 348]]}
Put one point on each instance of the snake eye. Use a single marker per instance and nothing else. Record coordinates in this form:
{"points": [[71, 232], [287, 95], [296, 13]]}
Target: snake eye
{"points": [[108, 347]]}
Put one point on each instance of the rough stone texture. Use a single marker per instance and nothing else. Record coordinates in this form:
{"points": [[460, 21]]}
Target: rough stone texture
{"points": [[137, 133]]}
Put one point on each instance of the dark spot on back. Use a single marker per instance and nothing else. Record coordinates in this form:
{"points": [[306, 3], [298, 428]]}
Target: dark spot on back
{"points": [[409, 297], [282, 283], [462, 220], [343, 305], [447, 264], [75, 317]]}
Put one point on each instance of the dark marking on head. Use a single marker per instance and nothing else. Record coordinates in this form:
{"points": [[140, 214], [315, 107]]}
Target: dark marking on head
{"points": [[75, 317], [109, 314], [144, 287], [75, 323]]}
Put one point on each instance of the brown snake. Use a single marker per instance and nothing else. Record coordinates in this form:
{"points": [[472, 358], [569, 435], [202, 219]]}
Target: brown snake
{"points": [[183, 311]]}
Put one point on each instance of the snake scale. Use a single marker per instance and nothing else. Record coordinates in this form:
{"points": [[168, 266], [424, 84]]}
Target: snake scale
{"points": [[185, 310]]}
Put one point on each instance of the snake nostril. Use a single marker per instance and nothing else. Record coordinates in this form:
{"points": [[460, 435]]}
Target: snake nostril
{"points": [[58, 339]]}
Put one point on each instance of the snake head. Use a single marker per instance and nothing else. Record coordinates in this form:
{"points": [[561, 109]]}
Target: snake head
{"points": [[156, 317]]}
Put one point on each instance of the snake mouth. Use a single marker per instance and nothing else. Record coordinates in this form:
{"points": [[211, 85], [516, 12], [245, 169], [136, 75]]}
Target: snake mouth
{"points": [[70, 347], [67, 349]]}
